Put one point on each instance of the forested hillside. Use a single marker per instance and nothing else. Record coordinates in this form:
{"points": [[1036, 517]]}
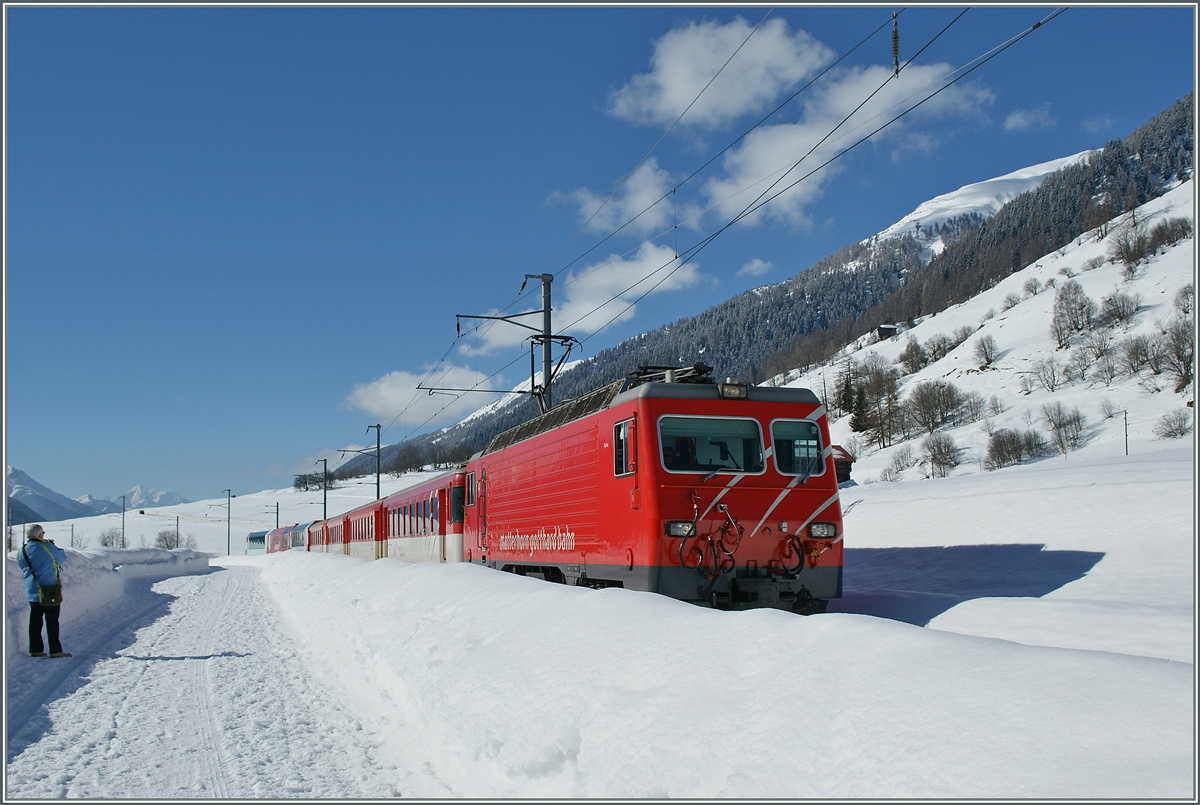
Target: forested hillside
{"points": [[807, 318]]}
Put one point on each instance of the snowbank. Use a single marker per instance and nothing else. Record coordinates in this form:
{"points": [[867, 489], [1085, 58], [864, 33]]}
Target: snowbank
{"points": [[502, 686], [92, 579]]}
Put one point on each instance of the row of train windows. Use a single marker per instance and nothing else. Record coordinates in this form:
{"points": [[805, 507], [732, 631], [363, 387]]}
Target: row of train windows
{"points": [[731, 444], [415, 518]]}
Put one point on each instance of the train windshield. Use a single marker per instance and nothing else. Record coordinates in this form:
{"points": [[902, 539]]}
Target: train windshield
{"points": [[797, 447], [710, 444]]}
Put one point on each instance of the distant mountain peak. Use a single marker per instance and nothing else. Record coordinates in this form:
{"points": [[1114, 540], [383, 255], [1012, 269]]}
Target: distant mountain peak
{"points": [[51, 506]]}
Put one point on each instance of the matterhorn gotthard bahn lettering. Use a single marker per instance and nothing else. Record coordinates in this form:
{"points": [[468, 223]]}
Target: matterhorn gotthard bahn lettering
{"points": [[558, 539], [914, 519]]}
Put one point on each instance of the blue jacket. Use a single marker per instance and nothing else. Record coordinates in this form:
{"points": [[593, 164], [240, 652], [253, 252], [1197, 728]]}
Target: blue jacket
{"points": [[35, 563]]}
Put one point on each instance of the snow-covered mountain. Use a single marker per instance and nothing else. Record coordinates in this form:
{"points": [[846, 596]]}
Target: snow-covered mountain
{"points": [[982, 198], [144, 497], [45, 502], [42, 503], [1031, 376]]}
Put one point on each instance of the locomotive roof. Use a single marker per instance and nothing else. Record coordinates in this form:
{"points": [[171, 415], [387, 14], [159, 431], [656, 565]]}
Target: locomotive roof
{"points": [[707, 391], [616, 392]]}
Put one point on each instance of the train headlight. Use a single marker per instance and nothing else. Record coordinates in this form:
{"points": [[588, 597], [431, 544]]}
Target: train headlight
{"points": [[822, 530], [680, 528], [730, 390]]}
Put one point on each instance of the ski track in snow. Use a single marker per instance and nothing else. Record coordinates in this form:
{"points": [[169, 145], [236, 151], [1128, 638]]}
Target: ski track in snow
{"points": [[208, 699]]}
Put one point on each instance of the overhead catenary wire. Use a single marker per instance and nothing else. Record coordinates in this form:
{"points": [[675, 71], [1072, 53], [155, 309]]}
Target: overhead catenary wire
{"points": [[765, 196], [640, 162], [761, 202], [687, 179]]}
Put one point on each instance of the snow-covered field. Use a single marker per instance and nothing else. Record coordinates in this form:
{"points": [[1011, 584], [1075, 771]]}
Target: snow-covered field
{"points": [[1022, 633]]}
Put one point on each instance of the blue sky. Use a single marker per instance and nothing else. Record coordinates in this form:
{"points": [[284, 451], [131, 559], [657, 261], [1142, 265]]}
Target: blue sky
{"points": [[236, 237]]}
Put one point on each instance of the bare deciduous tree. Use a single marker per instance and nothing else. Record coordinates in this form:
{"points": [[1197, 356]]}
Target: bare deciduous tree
{"points": [[112, 538], [931, 403], [1066, 426], [1007, 448], [1049, 373], [167, 540], [942, 453], [1120, 308], [1174, 425], [1130, 246], [986, 350], [1177, 349], [1185, 300], [1073, 305], [913, 358]]}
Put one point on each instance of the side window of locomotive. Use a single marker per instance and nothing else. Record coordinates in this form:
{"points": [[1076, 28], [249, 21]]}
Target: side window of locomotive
{"points": [[470, 489], [623, 448], [710, 444], [797, 447]]}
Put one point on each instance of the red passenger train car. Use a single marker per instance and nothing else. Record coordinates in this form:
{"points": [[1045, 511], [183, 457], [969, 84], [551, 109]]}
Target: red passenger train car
{"points": [[721, 494]]}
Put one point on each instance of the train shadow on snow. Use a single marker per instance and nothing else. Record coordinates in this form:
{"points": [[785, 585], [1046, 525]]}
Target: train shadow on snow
{"points": [[915, 585], [33, 684]]}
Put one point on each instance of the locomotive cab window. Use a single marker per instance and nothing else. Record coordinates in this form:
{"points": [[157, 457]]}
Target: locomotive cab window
{"points": [[797, 447], [624, 455], [710, 444], [470, 489]]}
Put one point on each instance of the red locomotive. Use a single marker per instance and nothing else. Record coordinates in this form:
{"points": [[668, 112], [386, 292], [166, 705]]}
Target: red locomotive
{"points": [[716, 493]]}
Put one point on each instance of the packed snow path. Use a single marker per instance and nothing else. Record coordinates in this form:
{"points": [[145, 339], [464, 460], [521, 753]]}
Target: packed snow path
{"points": [[195, 690]]}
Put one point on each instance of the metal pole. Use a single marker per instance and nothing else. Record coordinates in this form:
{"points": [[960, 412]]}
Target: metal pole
{"points": [[228, 521], [546, 333], [277, 514], [324, 487], [1126, 431], [376, 427]]}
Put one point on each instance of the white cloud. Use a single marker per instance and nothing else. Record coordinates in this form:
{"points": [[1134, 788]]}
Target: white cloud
{"points": [[781, 163], [1029, 119], [770, 150], [588, 299], [1099, 125], [396, 392], [755, 268], [639, 196], [686, 59], [603, 293]]}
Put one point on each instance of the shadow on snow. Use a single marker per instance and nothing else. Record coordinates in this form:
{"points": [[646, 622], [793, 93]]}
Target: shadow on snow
{"points": [[915, 585], [33, 684]]}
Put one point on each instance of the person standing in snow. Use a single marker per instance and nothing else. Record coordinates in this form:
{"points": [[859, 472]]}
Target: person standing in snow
{"points": [[40, 561]]}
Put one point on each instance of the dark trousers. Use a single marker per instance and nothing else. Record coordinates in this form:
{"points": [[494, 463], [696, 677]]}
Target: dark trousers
{"points": [[36, 613]]}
